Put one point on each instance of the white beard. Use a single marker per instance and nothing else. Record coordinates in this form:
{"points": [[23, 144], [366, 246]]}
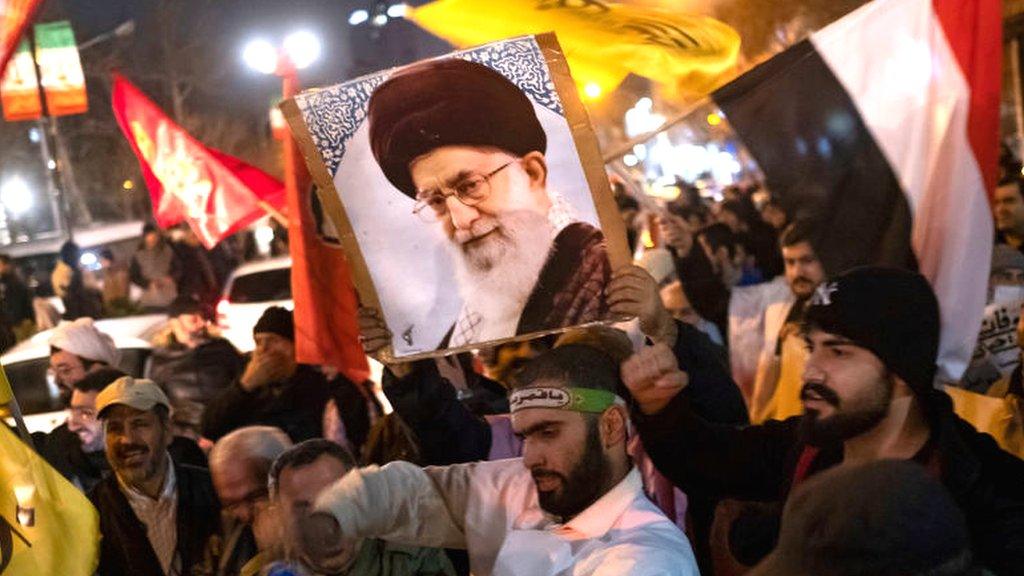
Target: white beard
{"points": [[496, 277]]}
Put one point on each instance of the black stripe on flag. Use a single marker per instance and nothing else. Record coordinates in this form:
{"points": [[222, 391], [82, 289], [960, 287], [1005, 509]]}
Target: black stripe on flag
{"points": [[819, 159]]}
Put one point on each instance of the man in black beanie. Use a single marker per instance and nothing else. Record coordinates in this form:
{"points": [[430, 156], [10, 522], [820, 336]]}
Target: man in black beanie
{"points": [[277, 391], [465, 143], [872, 337]]}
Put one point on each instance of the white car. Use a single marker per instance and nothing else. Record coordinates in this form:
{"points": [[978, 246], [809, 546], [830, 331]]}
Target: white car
{"points": [[252, 288], [27, 365]]}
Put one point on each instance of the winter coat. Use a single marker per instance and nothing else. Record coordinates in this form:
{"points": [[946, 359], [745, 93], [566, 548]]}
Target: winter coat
{"points": [[125, 548], [761, 463], [15, 299], [295, 406], [197, 374]]}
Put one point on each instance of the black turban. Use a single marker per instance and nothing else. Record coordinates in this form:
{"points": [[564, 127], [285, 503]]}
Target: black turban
{"points": [[447, 102]]}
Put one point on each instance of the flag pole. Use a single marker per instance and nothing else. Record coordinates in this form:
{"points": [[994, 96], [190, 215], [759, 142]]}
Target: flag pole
{"points": [[675, 120], [8, 399], [273, 212]]}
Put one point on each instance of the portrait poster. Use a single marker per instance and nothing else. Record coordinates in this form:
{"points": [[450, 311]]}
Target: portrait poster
{"points": [[469, 194]]}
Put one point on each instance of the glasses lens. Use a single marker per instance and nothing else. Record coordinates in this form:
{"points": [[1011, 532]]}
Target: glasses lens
{"points": [[472, 190]]}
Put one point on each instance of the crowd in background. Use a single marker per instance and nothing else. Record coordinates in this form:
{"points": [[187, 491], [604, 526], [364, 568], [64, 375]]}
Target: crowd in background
{"points": [[214, 463]]}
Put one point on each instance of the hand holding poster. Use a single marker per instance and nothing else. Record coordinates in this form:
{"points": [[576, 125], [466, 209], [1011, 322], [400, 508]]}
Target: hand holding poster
{"points": [[470, 195]]}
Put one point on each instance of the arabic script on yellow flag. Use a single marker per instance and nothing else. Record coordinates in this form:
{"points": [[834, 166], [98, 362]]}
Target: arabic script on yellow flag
{"points": [[603, 41], [63, 537]]}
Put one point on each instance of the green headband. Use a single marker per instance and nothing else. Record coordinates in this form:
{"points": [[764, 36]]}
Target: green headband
{"points": [[574, 399]]}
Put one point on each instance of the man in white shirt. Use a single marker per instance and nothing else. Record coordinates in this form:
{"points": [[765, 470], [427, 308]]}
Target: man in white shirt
{"points": [[572, 505]]}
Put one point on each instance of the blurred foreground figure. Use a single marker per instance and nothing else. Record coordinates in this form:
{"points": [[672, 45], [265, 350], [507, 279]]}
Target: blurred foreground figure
{"points": [[887, 517], [297, 478]]}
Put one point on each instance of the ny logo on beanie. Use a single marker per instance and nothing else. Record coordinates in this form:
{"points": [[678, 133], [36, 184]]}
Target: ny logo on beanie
{"points": [[823, 294]]}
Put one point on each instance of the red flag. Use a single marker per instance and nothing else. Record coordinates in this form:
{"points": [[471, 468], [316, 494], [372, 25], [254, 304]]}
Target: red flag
{"points": [[326, 329], [14, 17], [217, 194]]}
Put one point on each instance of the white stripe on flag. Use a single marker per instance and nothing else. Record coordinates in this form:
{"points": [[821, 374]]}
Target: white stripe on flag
{"points": [[894, 61]]}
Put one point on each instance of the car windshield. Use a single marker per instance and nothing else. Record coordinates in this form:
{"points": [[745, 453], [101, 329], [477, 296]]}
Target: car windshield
{"points": [[265, 286], [37, 393]]}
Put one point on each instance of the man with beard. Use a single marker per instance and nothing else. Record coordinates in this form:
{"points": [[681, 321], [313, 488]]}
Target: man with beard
{"points": [[77, 348], [872, 338], [777, 384], [189, 360], [155, 515], [573, 501], [465, 143]]}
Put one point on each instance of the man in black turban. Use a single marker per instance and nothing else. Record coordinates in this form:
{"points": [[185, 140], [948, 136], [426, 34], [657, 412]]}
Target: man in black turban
{"points": [[465, 143]]}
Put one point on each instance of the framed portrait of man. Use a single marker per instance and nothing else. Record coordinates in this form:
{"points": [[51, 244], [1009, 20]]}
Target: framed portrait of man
{"points": [[469, 194]]}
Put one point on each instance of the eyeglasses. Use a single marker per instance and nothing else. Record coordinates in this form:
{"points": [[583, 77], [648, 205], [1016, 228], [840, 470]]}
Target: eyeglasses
{"points": [[471, 190]]}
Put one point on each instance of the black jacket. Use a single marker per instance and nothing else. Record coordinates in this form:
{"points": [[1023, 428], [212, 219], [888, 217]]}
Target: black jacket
{"points": [[196, 374], [295, 406], [448, 432], [15, 299], [704, 289], [759, 462], [125, 549]]}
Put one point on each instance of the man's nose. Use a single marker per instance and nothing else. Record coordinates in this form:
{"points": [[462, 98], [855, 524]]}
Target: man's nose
{"points": [[532, 457], [462, 216], [811, 370]]}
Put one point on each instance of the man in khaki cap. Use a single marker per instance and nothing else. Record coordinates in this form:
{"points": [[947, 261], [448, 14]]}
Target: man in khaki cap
{"points": [[155, 515]]}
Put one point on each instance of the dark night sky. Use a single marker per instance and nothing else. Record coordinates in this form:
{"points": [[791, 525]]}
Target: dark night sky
{"points": [[207, 37]]}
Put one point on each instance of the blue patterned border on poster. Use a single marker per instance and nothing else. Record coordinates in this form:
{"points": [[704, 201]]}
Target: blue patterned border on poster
{"points": [[333, 114]]}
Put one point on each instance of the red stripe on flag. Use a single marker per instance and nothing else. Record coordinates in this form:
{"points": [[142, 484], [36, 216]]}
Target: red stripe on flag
{"points": [[974, 30]]}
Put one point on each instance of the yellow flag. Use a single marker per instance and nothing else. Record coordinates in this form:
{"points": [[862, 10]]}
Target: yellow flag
{"points": [[6, 394], [63, 537], [603, 41], [1002, 418]]}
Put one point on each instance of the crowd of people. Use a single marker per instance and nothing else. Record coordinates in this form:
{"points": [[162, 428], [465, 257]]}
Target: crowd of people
{"points": [[166, 269], [804, 435]]}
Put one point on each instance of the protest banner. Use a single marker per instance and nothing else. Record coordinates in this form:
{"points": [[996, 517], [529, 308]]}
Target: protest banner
{"points": [[469, 194]]}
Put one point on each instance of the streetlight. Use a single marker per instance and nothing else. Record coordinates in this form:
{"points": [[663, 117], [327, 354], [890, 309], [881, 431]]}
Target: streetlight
{"points": [[299, 50], [123, 29], [261, 56], [16, 196], [302, 48]]}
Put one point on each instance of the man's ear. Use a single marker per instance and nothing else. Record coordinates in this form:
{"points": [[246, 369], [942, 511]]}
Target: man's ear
{"points": [[536, 168], [613, 426]]}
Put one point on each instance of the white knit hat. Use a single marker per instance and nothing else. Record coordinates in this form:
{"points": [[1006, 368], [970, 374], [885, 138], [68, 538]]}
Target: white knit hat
{"points": [[82, 339]]}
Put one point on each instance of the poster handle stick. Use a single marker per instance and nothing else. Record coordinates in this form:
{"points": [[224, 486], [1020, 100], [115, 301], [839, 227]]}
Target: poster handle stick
{"points": [[273, 212], [677, 119]]}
